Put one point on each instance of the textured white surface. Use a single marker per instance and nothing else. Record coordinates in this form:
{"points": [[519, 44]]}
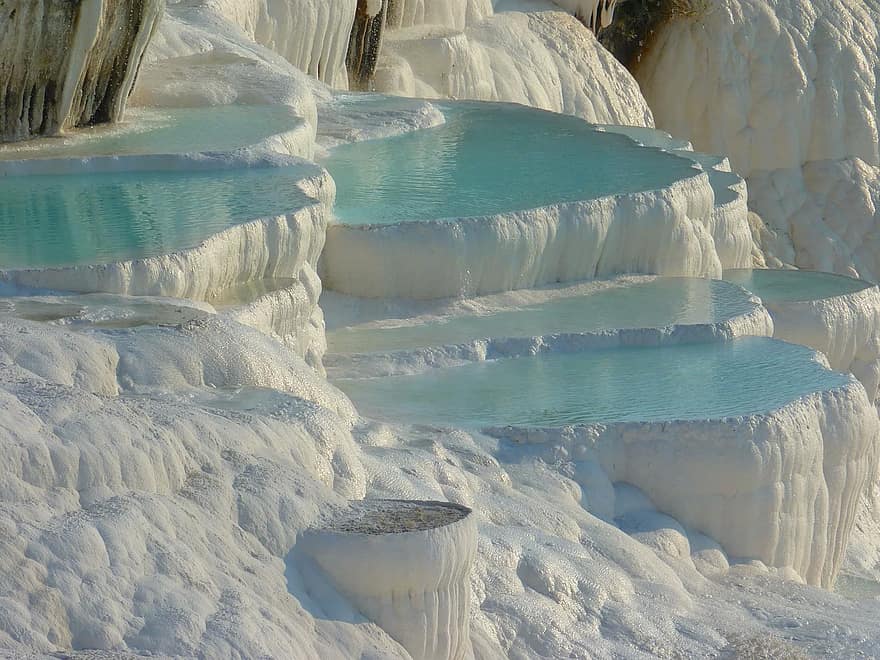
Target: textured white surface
{"points": [[311, 34], [783, 488], [597, 13], [787, 89], [151, 489], [772, 84], [455, 14], [826, 211], [546, 59], [665, 232], [845, 328], [160, 523]]}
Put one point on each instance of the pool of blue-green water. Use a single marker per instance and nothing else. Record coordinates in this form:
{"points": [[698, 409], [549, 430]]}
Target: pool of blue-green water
{"points": [[491, 158], [777, 286], [164, 131], [70, 219], [610, 305], [714, 380]]}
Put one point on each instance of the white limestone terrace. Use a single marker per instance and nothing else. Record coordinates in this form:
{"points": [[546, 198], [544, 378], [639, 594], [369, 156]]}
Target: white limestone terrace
{"points": [[379, 338], [563, 202], [186, 204], [155, 478], [834, 314], [738, 417]]}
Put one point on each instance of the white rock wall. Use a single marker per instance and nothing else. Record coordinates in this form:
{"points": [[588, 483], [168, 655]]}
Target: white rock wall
{"points": [[455, 14], [826, 211], [786, 88], [544, 59], [311, 34], [783, 488]]}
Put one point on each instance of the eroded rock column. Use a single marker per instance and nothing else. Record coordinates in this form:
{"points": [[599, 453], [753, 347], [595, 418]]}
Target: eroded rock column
{"points": [[365, 42], [69, 63]]}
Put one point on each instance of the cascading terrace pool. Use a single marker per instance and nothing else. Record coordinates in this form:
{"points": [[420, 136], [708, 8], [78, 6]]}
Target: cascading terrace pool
{"points": [[503, 197], [163, 181], [490, 158], [784, 286], [592, 307], [148, 131], [745, 376], [52, 220]]}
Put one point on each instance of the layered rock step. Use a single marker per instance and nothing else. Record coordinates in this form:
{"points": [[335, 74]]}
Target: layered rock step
{"points": [[776, 448], [463, 210], [834, 314]]}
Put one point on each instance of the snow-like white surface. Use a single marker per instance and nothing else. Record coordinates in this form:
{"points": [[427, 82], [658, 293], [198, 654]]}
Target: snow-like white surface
{"points": [[164, 522], [154, 479], [826, 214], [787, 89], [289, 313], [772, 84], [546, 59], [311, 34], [597, 13], [355, 117], [456, 14], [665, 232]]}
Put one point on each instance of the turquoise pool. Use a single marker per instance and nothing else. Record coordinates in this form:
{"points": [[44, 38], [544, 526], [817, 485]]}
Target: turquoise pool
{"points": [[164, 131], [778, 286], [491, 158], [609, 305], [63, 220], [685, 382]]}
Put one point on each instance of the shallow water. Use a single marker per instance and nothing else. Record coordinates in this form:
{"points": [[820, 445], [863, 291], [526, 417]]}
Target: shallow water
{"points": [[643, 304], [491, 158], [774, 286], [62, 220], [857, 588], [164, 131], [687, 382]]}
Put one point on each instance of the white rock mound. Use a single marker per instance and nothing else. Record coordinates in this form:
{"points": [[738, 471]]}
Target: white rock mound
{"points": [[786, 88]]}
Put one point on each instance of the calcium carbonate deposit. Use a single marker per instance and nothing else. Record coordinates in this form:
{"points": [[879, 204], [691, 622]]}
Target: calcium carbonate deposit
{"points": [[395, 329]]}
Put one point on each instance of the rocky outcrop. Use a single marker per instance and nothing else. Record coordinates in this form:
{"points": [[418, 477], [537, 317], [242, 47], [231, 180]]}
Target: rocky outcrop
{"points": [[365, 42], [69, 63]]}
